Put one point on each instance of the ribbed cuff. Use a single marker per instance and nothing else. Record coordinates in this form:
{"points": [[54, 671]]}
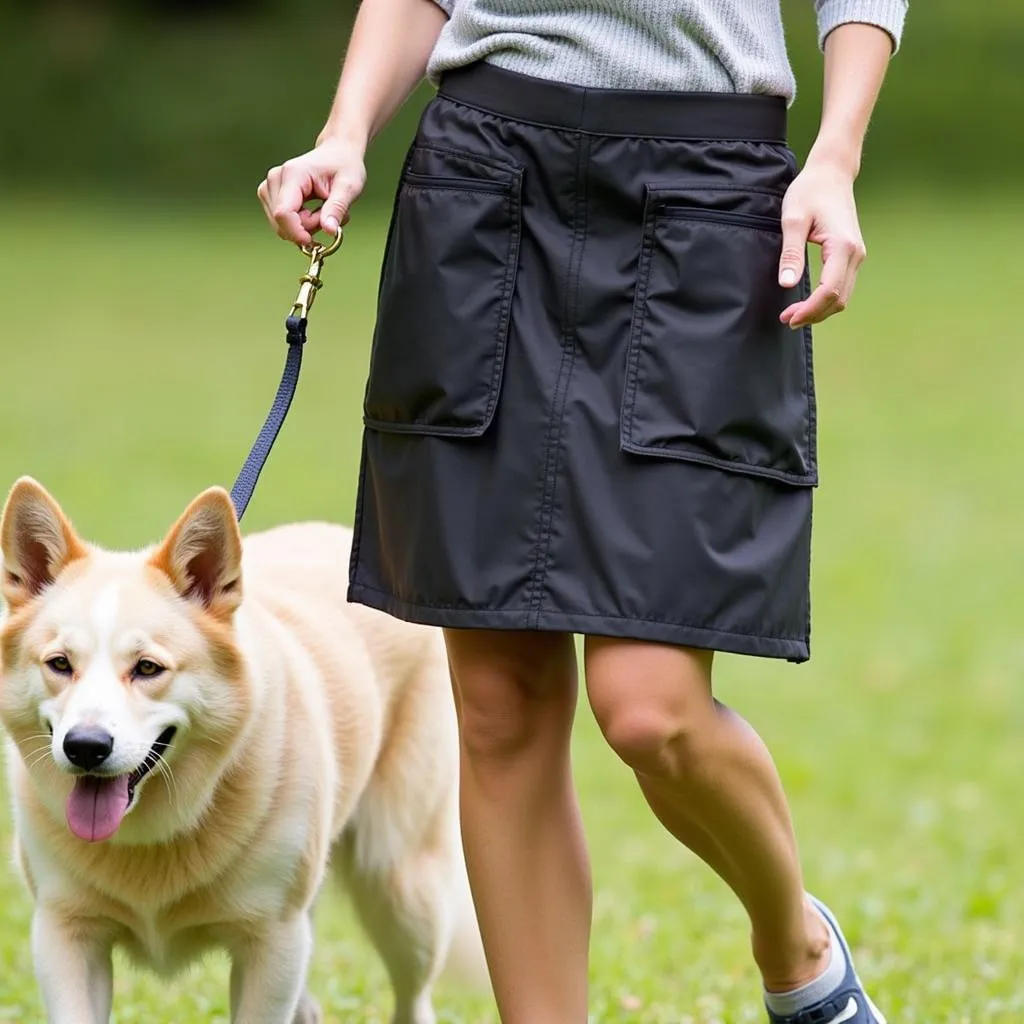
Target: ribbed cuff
{"points": [[446, 5], [886, 14]]}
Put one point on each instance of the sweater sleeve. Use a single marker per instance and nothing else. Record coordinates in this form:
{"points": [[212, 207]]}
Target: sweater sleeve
{"points": [[446, 5], [886, 14]]}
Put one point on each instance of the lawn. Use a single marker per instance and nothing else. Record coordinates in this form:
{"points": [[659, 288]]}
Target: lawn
{"points": [[138, 352]]}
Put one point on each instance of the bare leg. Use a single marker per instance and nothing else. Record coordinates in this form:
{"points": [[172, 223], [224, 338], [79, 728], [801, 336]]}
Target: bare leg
{"points": [[521, 828], [712, 783]]}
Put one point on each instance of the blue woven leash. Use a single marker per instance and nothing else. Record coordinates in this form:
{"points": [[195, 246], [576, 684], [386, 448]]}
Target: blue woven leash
{"points": [[295, 336]]}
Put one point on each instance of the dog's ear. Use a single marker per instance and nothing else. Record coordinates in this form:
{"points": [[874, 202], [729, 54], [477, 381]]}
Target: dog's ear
{"points": [[37, 542], [202, 555]]}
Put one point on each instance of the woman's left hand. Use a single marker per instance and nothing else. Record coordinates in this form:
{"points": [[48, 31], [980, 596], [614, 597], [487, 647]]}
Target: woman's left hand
{"points": [[819, 208]]}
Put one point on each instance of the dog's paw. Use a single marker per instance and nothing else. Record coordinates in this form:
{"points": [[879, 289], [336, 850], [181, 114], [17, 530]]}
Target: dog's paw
{"points": [[308, 1011]]}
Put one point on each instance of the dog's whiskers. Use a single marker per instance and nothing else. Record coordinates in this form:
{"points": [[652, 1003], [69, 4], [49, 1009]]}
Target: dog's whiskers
{"points": [[37, 756], [38, 737], [165, 770]]}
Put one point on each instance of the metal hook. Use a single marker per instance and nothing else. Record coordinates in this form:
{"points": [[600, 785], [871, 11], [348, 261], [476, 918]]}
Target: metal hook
{"points": [[310, 283]]}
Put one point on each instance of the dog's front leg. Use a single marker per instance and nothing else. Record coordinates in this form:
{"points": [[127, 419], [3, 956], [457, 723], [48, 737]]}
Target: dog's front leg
{"points": [[268, 972], [73, 968]]}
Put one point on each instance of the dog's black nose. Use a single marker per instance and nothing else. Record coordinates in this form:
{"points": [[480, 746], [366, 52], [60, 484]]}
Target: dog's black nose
{"points": [[88, 746]]}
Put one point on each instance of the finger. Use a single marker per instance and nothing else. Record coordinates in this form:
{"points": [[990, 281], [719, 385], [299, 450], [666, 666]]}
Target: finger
{"points": [[337, 206], [857, 255], [842, 301], [273, 183], [285, 207], [268, 193], [310, 220], [842, 258], [265, 193], [795, 229], [312, 216], [822, 302], [826, 299], [801, 318]]}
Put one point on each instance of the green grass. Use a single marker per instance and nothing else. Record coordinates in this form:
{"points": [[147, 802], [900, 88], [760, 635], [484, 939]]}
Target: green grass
{"points": [[138, 353]]}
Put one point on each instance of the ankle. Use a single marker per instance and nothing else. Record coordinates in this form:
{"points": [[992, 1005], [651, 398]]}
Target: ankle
{"points": [[785, 967]]}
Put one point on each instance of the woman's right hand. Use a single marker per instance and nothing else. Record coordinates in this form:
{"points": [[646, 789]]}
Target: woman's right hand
{"points": [[334, 171]]}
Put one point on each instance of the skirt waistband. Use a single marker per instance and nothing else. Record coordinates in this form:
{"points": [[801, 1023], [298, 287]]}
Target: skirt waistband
{"points": [[626, 112]]}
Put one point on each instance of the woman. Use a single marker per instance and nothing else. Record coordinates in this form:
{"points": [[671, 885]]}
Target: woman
{"points": [[590, 410]]}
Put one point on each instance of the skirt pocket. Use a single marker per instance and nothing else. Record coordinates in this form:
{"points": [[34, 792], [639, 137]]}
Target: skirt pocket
{"points": [[446, 289], [712, 375]]}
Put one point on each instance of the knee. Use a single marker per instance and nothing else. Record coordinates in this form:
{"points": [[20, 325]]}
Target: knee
{"points": [[500, 727], [660, 725], [512, 701], [653, 741]]}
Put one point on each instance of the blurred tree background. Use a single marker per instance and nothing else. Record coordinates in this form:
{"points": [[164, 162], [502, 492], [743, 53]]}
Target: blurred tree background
{"points": [[194, 99]]}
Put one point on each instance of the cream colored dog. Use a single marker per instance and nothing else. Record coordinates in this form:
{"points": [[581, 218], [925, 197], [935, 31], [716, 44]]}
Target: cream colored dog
{"points": [[196, 731]]}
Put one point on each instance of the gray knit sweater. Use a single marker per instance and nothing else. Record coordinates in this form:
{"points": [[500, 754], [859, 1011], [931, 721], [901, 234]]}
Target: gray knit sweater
{"points": [[687, 45]]}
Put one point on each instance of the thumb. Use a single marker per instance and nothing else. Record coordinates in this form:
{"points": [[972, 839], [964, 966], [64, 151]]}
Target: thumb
{"points": [[794, 241], [335, 211]]}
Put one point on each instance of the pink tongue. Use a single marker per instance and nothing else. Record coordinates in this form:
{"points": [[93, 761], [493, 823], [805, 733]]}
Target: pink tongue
{"points": [[96, 807]]}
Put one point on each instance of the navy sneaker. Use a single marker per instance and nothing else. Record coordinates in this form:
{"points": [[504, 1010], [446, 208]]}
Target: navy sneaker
{"points": [[848, 1004]]}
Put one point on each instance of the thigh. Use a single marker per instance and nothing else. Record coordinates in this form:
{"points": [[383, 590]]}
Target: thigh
{"points": [[542, 665], [511, 686]]}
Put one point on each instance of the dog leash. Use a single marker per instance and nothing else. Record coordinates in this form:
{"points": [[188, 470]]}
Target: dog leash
{"points": [[295, 337]]}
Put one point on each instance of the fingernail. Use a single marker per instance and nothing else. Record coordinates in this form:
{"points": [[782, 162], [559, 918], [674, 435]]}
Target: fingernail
{"points": [[788, 278], [331, 225]]}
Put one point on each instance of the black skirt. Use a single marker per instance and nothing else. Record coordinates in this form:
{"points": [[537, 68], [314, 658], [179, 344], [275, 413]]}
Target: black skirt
{"points": [[582, 411]]}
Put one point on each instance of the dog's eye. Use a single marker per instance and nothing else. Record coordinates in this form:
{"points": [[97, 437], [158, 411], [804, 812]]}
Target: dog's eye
{"points": [[59, 664], [147, 669]]}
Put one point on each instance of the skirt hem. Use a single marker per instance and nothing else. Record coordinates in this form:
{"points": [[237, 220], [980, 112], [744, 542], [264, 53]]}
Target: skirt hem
{"points": [[622, 627]]}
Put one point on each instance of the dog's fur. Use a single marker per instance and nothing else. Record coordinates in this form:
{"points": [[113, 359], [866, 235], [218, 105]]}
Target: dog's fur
{"points": [[309, 731]]}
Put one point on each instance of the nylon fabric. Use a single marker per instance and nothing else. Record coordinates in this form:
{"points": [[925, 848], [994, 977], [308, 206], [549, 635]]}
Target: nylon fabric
{"points": [[582, 413]]}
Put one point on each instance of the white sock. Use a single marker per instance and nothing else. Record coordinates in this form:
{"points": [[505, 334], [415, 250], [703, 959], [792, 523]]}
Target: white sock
{"points": [[785, 1004]]}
